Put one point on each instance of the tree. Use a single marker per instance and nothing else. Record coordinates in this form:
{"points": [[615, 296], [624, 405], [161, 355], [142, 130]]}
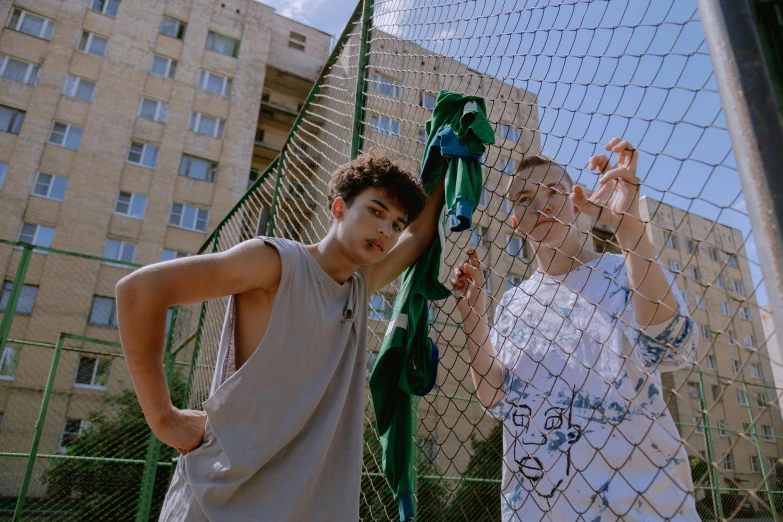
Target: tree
{"points": [[97, 490]]}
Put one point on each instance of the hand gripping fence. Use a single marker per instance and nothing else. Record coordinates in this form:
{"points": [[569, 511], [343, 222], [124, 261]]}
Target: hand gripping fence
{"points": [[560, 80]]}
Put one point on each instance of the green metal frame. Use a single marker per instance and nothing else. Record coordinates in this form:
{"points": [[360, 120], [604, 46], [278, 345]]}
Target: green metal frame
{"points": [[361, 78], [13, 298]]}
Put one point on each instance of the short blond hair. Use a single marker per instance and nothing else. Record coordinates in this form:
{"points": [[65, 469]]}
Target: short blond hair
{"points": [[534, 161]]}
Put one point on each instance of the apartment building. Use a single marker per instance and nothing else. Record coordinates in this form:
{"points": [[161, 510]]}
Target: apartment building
{"points": [[127, 131]]}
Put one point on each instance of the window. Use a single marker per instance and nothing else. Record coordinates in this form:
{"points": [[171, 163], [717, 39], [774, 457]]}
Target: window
{"points": [[31, 24], [728, 462], [71, 429], [9, 362], [296, 41], [164, 67], [754, 464], [742, 398], [386, 86], [755, 371], [732, 260], [421, 136], [3, 171], [702, 302], [715, 254], [26, 300], [66, 135], [385, 125], [477, 236], [222, 44], [207, 125], [216, 83], [748, 430], [736, 367], [92, 373], [259, 135], [38, 235], [698, 425], [168, 255], [515, 246], [695, 274], [731, 338], [484, 199], [768, 432], [711, 362], [690, 245], [722, 429], [129, 204], [154, 110], [507, 166], [11, 119], [79, 88], [143, 155], [719, 282], [694, 390], [103, 311], [512, 281], [725, 308], [192, 218], [198, 168], [18, 71], [671, 241], [761, 400], [172, 27], [107, 7], [507, 132], [674, 266], [743, 313], [428, 100], [49, 186], [715, 392], [119, 250], [380, 309], [706, 334], [487, 281], [750, 341], [739, 287], [93, 44]]}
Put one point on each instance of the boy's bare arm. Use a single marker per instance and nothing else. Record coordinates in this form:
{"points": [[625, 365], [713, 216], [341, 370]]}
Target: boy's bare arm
{"points": [[413, 242], [143, 298]]}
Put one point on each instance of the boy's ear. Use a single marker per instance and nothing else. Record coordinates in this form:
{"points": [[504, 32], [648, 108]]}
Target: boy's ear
{"points": [[513, 221], [338, 207]]}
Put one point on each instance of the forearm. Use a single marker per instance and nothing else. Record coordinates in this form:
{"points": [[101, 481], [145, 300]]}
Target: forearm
{"points": [[142, 324], [653, 299], [485, 368], [425, 228]]}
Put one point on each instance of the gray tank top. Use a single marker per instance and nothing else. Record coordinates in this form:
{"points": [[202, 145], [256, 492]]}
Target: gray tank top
{"points": [[284, 433]]}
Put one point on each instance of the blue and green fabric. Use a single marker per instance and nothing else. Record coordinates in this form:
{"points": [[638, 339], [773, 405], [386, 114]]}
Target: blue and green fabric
{"points": [[407, 363]]}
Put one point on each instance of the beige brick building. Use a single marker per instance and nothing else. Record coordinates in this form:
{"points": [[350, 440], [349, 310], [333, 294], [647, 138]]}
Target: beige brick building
{"points": [[127, 130]]}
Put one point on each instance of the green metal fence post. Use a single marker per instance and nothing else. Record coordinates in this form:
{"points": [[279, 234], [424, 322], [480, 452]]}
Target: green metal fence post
{"points": [[13, 298], [270, 229], [361, 80], [39, 426], [144, 505], [759, 453], [717, 501]]}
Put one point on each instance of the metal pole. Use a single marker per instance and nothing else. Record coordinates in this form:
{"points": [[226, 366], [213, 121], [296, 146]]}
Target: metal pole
{"points": [[756, 127], [144, 505], [717, 501], [361, 80], [759, 453], [270, 230], [13, 298], [39, 426]]}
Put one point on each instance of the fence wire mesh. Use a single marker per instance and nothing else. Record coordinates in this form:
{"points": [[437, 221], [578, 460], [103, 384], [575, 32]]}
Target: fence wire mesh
{"points": [[560, 79]]}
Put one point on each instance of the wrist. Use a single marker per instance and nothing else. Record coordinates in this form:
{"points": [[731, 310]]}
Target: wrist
{"points": [[162, 417], [634, 241]]}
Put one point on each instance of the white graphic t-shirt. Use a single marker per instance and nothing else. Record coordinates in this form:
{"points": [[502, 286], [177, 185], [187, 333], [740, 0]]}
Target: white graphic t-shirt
{"points": [[587, 435]]}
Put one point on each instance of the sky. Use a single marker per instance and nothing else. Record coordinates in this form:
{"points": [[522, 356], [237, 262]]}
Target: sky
{"points": [[639, 69]]}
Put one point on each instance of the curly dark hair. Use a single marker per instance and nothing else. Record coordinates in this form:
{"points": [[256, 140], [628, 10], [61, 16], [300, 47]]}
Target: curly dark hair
{"points": [[370, 170]]}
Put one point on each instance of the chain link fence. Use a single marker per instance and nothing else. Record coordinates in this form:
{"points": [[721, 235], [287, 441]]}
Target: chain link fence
{"points": [[560, 79]]}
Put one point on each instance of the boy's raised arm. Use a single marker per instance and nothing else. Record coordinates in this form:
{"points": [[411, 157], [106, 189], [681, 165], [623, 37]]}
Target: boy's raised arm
{"points": [[143, 298], [413, 242]]}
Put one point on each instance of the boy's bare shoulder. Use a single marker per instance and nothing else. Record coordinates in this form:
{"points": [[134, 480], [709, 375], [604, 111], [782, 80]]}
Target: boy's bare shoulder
{"points": [[253, 264]]}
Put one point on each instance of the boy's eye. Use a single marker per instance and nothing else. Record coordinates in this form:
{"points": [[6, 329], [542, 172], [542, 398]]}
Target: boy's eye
{"points": [[524, 200], [397, 228], [375, 211]]}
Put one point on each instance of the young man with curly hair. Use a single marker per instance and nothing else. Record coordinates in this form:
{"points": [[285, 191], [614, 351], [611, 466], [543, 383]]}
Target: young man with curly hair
{"points": [[280, 437]]}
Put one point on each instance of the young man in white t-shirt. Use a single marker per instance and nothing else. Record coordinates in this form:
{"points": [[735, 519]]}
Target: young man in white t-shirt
{"points": [[572, 362]]}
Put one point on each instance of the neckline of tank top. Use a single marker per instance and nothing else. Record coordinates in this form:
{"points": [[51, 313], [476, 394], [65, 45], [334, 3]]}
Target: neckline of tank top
{"points": [[324, 277]]}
